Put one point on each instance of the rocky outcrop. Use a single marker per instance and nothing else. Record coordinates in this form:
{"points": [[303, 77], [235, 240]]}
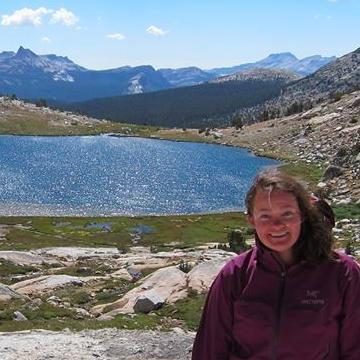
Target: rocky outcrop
{"points": [[77, 253], [26, 258], [7, 294], [47, 283], [168, 283], [201, 276]]}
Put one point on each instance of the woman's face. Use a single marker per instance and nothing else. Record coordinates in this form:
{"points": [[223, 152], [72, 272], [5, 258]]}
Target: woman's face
{"points": [[276, 218]]}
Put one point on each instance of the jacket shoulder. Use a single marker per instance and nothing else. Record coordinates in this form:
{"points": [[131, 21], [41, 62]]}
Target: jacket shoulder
{"points": [[238, 263], [349, 272], [347, 263]]}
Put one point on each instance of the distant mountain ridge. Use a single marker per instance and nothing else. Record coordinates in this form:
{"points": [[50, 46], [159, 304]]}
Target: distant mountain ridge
{"points": [[54, 77], [284, 61], [57, 78], [253, 95], [186, 76]]}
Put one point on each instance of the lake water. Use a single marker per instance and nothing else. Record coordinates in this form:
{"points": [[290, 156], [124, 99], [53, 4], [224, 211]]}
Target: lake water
{"points": [[104, 175]]}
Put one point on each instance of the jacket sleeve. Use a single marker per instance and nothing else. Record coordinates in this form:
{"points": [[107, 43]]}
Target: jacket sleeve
{"points": [[350, 324], [214, 337]]}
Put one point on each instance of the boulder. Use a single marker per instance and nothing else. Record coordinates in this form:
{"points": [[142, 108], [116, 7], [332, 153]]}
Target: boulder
{"points": [[332, 172], [18, 316], [122, 274], [168, 283], [345, 201], [201, 276], [7, 294], [147, 302]]}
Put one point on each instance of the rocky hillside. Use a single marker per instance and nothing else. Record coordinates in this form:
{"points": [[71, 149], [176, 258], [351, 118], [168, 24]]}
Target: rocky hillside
{"points": [[329, 82], [283, 76], [328, 135]]}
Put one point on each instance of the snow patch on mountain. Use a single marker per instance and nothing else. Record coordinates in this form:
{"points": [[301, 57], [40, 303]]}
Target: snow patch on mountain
{"points": [[135, 86]]}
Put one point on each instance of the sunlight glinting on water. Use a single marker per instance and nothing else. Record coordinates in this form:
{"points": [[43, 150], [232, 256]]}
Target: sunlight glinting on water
{"points": [[104, 175]]}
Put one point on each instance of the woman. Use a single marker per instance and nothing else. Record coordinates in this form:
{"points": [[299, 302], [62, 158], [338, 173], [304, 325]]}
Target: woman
{"points": [[290, 297]]}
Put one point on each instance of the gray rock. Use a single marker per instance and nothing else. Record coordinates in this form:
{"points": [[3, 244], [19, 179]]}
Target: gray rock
{"points": [[147, 302], [105, 317], [201, 276], [18, 316], [6, 293], [344, 201], [23, 258], [332, 172], [321, 185]]}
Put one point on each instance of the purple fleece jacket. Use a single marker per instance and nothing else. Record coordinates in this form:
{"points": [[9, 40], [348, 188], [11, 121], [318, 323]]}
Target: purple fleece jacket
{"points": [[257, 309]]}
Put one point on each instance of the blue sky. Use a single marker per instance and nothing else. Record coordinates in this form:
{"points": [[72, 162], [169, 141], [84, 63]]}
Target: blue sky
{"points": [[177, 33]]}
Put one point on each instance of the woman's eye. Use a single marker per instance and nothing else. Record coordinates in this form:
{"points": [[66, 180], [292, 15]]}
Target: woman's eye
{"points": [[288, 215], [264, 217]]}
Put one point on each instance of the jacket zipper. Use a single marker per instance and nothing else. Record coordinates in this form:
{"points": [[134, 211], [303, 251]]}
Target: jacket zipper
{"points": [[278, 315]]}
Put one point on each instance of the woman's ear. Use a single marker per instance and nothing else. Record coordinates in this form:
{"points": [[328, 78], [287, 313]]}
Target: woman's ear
{"points": [[250, 220]]}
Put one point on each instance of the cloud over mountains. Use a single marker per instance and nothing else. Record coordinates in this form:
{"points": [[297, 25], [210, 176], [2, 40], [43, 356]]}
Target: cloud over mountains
{"points": [[34, 17]]}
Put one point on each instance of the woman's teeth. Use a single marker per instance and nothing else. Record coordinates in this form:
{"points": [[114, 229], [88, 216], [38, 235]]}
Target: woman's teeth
{"points": [[278, 235]]}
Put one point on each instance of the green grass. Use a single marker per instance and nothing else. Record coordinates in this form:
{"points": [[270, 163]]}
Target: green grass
{"points": [[187, 310], [308, 172], [129, 322], [8, 269], [25, 122], [188, 231], [350, 211], [49, 317]]}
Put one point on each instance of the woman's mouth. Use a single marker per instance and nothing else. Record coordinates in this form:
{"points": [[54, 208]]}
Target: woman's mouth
{"points": [[279, 236]]}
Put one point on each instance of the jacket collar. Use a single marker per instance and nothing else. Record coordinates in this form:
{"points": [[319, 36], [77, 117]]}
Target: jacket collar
{"points": [[270, 260]]}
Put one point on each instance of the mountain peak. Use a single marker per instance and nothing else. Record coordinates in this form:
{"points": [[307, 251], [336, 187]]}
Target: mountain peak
{"points": [[287, 55], [25, 53]]}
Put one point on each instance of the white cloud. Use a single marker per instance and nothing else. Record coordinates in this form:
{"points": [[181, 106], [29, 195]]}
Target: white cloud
{"points": [[116, 36], [45, 39], [25, 16], [65, 17], [153, 30]]}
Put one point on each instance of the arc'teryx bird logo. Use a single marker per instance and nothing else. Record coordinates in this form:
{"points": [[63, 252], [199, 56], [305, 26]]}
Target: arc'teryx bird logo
{"points": [[312, 298]]}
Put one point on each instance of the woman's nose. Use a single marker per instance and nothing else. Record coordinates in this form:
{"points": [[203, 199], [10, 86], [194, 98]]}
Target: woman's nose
{"points": [[277, 221]]}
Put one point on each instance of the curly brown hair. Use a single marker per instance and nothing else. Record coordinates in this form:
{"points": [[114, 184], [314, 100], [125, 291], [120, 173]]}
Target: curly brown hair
{"points": [[315, 241]]}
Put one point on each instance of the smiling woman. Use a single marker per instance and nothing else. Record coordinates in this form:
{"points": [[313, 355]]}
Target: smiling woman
{"points": [[277, 220], [290, 297]]}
